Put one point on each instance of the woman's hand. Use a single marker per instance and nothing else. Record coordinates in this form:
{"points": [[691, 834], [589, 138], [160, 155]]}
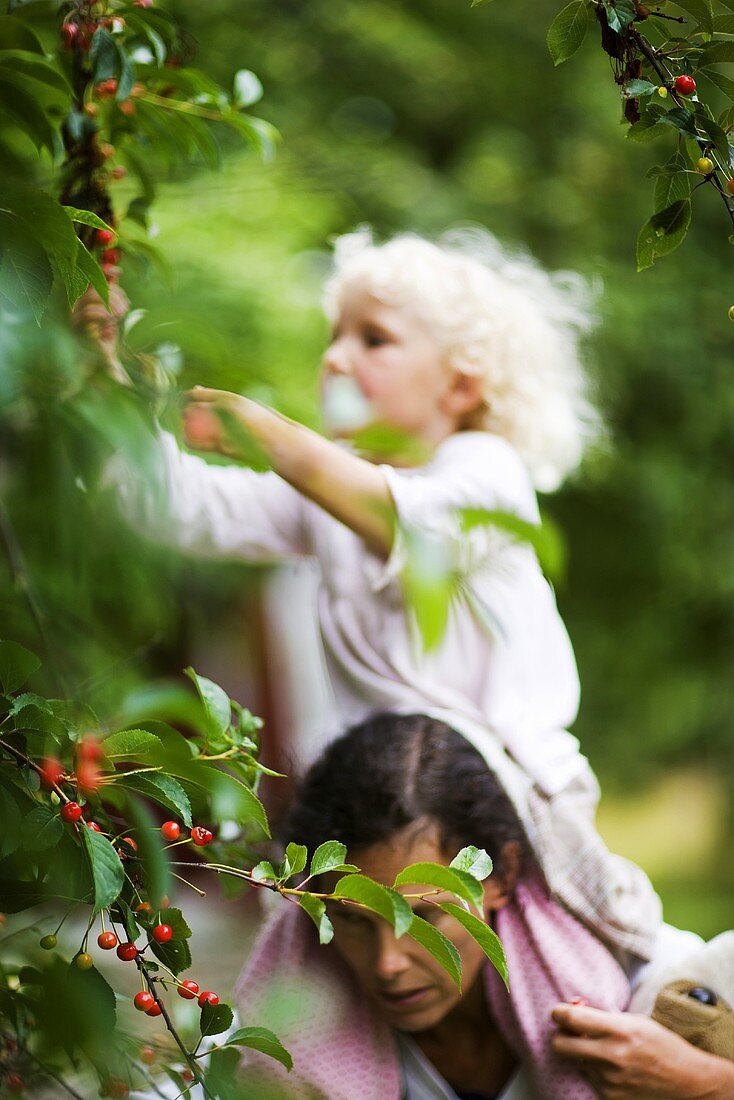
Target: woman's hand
{"points": [[631, 1057]]}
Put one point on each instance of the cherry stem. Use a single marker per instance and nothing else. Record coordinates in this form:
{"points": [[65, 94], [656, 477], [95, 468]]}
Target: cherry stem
{"points": [[190, 1060], [31, 764], [201, 893]]}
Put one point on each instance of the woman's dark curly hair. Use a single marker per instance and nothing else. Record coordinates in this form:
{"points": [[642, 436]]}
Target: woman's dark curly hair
{"points": [[396, 770]]}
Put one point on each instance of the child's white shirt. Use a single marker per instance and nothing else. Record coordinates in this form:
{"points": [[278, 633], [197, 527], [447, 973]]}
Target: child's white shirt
{"points": [[505, 661]]}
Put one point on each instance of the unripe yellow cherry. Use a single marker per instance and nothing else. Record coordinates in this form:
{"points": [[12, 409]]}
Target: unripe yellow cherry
{"points": [[731, 313], [662, 91], [705, 166]]}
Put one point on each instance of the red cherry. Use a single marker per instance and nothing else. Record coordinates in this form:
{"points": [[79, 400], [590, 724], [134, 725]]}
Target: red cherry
{"points": [[52, 771], [685, 85], [105, 236], [107, 940], [208, 998], [14, 1083], [90, 748], [117, 1089], [71, 811], [144, 907], [127, 107], [162, 933], [730, 186], [128, 848], [201, 836], [69, 33], [88, 776], [154, 1010], [94, 826], [188, 990], [187, 1075], [171, 830], [127, 952], [118, 172], [143, 1001], [147, 1055], [143, 3]]}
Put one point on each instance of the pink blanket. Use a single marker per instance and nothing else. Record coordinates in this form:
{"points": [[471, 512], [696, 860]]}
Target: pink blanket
{"points": [[342, 1050]]}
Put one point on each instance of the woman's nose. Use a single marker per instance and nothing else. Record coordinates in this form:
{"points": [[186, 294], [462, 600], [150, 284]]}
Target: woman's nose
{"points": [[391, 960]]}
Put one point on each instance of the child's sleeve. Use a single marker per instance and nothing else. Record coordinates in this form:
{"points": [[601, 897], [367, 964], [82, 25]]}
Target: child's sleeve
{"points": [[211, 511], [472, 470]]}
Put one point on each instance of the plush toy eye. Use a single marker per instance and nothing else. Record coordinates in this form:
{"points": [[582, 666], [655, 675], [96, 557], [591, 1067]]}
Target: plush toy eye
{"points": [[704, 996]]}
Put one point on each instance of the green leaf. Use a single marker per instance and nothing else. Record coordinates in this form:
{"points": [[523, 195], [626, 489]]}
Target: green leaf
{"points": [[620, 13], [19, 100], [485, 936], [88, 271], [681, 119], [724, 24], [86, 217], [317, 912], [663, 233], [716, 135], [296, 856], [128, 743], [473, 861], [437, 945], [11, 832], [150, 848], [16, 664], [231, 799], [216, 702], [388, 904], [717, 53], [163, 789], [26, 277], [36, 69], [42, 829], [264, 872], [330, 856], [429, 585], [107, 870], [545, 538], [29, 699], [568, 30], [723, 83], [45, 220], [451, 879], [700, 10], [215, 1019], [637, 88], [260, 1038], [15, 35], [127, 75], [674, 185], [103, 56]]}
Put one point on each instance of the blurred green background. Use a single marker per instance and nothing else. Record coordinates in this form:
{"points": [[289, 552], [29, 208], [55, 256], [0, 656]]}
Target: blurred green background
{"points": [[422, 115]]}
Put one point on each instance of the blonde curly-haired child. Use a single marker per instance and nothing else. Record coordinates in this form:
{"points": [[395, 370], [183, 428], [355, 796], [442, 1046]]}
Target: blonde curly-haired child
{"points": [[474, 354]]}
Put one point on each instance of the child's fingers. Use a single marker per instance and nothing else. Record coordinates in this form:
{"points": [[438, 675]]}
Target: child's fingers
{"points": [[205, 395], [201, 426]]}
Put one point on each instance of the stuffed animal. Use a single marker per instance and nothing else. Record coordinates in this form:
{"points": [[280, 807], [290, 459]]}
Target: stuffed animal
{"points": [[695, 997]]}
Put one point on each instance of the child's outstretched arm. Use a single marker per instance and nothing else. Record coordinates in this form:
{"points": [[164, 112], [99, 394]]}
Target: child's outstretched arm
{"points": [[348, 487]]}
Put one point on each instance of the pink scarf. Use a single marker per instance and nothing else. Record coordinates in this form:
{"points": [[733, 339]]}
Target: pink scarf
{"points": [[342, 1050]]}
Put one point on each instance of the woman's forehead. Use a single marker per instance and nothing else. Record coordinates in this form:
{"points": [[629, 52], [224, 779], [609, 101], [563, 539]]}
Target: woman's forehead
{"points": [[420, 842]]}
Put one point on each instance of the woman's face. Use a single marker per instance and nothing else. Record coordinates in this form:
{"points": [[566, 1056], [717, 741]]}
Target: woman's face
{"points": [[411, 990]]}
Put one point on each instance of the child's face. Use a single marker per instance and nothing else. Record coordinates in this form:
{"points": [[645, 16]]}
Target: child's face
{"points": [[391, 356]]}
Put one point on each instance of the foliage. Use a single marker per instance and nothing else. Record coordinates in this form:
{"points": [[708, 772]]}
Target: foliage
{"points": [[665, 64], [81, 804], [103, 91]]}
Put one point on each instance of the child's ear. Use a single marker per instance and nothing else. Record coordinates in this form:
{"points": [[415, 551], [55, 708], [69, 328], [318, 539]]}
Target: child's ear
{"points": [[465, 393], [499, 887]]}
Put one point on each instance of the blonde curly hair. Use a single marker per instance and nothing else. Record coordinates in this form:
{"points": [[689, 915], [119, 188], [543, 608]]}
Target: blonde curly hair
{"points": [[496, 314]]}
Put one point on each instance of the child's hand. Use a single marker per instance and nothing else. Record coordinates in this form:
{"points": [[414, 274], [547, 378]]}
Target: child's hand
{"points": [[208, 414], [91, 315]]}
